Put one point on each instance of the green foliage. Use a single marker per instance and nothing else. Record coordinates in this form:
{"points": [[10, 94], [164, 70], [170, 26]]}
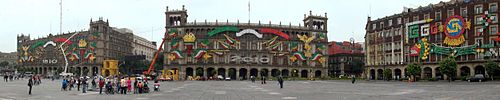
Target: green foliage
{"points": [[448, 67], [4, 63], [413, 69], [491, 67], [387, 74], [357, 66], [199, 72]]}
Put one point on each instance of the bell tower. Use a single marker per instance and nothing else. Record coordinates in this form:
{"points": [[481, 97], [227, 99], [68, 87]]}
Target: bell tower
{"points": [[175, 17], [316, 22]]}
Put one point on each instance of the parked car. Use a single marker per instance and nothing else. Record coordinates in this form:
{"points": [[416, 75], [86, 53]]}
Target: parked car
{"points": [[477, 77], [228, 79]]}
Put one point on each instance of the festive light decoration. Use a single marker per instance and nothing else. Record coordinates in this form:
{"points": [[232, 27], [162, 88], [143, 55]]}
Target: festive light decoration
{"points": [[322, 36], [25, 56], [275, 32], [189, 40], [200, 53], [436, 28], [49, 43], [299, 56], [453, 51], [63, 40], [204, 43], [224, 45], [293, 58], [222, 29], [320, 47], [413, 31], [316, 56], [415, 51], [274, 46], [174, 43], [271, 41], [294, 46], [455, 27], [172, 32], [498, 38], [424, 48], [206, 56], [230, 40], [307, 47], [176, 54], [39, 43], [251, 31]]}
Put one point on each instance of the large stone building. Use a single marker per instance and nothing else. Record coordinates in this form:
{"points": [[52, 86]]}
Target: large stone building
{"points": [[240, 50], [144, 47], [345, 58], [85, 51], [465, 29], [10, 58]]}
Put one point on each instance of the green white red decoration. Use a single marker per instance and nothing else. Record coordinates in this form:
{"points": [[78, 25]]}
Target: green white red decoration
{"points": [[222, 29], [177, 54], [231, 40], [299, 56], [199, 53], [172, 32], [251, 31]]}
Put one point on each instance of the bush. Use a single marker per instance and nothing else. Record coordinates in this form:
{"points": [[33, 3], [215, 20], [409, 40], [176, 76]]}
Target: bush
{"points": [[403, 79], [463, 78], [432, 79]]}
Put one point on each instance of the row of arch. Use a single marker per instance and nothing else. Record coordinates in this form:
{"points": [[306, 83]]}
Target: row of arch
{"points": [[427, 72], [244, 73], [78, 71]]}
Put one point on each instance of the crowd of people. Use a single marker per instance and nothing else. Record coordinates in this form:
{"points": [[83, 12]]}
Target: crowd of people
{"points": [[109, 85]]}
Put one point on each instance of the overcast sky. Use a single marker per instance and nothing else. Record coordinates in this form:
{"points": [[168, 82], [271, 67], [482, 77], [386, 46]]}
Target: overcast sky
{"points": [[346, 18]]}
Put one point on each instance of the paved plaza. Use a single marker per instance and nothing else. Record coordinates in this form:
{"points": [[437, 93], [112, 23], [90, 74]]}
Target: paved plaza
{"points": [[246, 90]]}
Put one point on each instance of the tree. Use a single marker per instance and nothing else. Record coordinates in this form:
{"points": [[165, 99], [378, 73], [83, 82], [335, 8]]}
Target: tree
{"points": [[357, 66], [4, 63], [387, 74], [491, 67], [448, 67], [199, 72], [413, 70]]}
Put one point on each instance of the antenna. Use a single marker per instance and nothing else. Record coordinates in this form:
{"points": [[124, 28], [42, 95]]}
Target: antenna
{"points": [[60, 17], [248, 11]]}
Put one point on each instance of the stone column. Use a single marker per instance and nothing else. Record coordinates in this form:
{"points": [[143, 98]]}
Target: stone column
{"points": [[393, 74], [458, 72], [227, 73], [472, 72], [237, 74], [205, 72], [376, 74], [434, 73]]}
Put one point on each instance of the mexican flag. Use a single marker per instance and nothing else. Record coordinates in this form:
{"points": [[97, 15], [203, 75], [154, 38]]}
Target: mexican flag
{"points": [[271, 41], [299, 56], [199, 53], [177, 53], [316, 56], [231, 40]]}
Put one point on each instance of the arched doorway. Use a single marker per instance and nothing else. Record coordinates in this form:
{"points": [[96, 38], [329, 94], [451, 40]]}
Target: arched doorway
{"points": [[264, 72], [439, 76], [427, 72], [295, 73], [479, 70], [243, 74], [317, 74], [372, 74], [380, 74], [232, 73], [189, 72], [78, 71], [199, 72], [222, 72], [211, 72], [285, 73], [85, 71], [303, 73], [106, 73], [464, 71], [253, 72], [275, 72], [397, 73]]}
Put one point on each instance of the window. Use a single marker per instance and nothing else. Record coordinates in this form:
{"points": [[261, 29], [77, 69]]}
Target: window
{"points": [[479, 41], [463, 12], [381, 24], [427, 16], [478, 20], [399, 21], [438, 15], [494, 18], [415, 18], [374, 26], [478, 9], [450, 13], [390, 23], [479, 31], [493, 7], [493, 30]]}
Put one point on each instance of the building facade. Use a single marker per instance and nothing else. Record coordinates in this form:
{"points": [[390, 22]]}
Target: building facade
{"points": [[464, 29], [142, 46], [240, 50], [85, 51], [345, 58]]}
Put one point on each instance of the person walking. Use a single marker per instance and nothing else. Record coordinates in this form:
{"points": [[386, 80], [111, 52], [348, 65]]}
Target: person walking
{"points": [[6, 78], [252, 78], [78, 83], [135, 86], [139, 87], [64, 84], [101, 84], [129, 85], [84, 83], [30, 85], [353, 79], [123, 86], [280, 81]]}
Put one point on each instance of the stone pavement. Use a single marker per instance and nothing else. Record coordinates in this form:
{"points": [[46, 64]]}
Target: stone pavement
{"points": [[245, 90]]}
